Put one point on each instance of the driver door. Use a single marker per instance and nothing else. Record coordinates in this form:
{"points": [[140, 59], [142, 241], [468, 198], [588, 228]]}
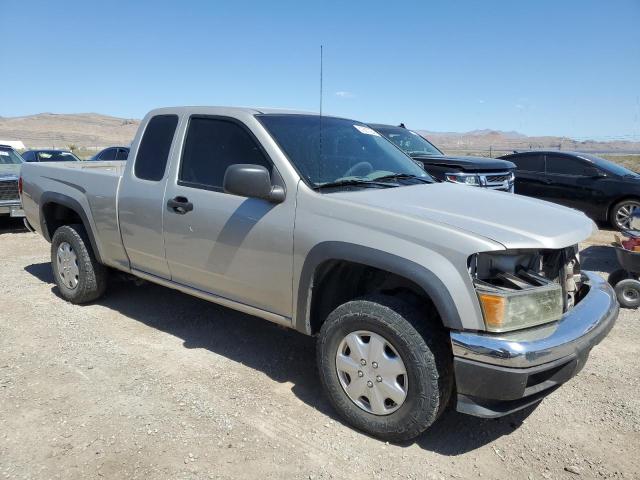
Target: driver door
{"points": [[235, 247]]}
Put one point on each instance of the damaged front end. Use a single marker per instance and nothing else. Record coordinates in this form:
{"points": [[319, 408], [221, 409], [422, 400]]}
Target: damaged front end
{"points": [[523, 288]]}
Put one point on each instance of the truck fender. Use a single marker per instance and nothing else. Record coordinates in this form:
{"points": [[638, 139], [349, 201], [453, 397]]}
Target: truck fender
{"points": [[420, 275]]}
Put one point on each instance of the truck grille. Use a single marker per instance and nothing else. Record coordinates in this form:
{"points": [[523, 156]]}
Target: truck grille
{"points": [[498, 178], [9, 190], [498, 181]]}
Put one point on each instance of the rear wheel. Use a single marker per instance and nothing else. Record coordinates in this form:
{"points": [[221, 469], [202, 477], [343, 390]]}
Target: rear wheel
{"points": [[79, 276], [628, 293], [621, 213], [387, 370]]}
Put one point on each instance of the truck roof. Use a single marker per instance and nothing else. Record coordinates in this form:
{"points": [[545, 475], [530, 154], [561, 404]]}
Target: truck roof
{"points": [[221, 110]]}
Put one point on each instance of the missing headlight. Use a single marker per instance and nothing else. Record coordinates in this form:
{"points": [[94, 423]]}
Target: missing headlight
{"points": [[523, 288]]}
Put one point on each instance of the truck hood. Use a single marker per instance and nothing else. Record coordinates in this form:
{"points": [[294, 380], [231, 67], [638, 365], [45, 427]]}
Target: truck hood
{"points": [[467, 164], [9, 172], [512, 220]]}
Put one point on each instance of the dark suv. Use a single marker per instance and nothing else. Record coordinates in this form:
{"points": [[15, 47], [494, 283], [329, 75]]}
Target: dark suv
{"points": [[602, 189], [475, 171]]}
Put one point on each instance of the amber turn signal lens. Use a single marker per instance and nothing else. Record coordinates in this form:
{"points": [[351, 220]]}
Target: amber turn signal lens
{"points": [[493, 309]]}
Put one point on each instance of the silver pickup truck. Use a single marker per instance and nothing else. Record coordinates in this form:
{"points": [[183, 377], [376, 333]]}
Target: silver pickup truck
{"points": [[421, 294]]}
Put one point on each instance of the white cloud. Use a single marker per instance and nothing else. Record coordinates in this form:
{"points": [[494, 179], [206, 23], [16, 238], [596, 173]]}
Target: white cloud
{"points": [[344, 94], [481, 101]]}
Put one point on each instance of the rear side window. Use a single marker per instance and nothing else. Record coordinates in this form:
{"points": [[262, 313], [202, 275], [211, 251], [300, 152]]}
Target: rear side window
{"points": [[212, 145], [529, 163], [108, 154], [153, 152], [561, 165]]}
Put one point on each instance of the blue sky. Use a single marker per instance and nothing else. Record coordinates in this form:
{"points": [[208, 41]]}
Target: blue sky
{"points": [[540, 67]]}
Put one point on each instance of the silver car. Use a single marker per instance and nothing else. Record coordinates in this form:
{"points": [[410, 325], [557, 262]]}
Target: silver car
{"points": [[10, 164]]}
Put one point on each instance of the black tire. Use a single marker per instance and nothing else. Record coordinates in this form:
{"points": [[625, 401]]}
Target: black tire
{"points": [[92, 276], [614, 217], [422, 345], [617, 276], [628, 293]]}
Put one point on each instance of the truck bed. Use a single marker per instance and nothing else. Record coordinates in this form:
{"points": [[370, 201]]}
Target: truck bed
{"points": [[94, 185]]}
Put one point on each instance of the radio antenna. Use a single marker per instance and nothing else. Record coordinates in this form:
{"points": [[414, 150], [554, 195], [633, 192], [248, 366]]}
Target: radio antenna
{"points": [[320, 81], [320, 119]]}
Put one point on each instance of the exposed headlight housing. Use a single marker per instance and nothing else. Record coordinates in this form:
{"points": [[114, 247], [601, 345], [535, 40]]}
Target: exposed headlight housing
{"points": [[525, 288], [463, 178], [506, 311]]}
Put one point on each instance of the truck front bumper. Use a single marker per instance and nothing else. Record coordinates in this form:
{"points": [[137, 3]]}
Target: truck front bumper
{"points": [[497, 374]]}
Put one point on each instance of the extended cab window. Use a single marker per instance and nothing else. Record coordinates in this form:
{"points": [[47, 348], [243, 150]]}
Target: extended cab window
{"points": [[212, 145], [560, 165], [529, 163], [153, 152]]}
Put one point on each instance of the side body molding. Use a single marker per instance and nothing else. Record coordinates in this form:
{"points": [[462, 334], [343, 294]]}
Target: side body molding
{"points": [[418, 274], [54, 197]]}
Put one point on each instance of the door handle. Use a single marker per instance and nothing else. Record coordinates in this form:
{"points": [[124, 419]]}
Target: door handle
{"points": [[180, 205]]}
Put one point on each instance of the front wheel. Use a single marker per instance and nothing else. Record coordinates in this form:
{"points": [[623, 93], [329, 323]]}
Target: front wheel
{"points": [[79, 276], [386, 369]]}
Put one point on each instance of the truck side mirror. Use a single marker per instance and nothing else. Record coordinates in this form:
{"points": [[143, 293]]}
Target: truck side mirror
{"points": [[251, 181]]}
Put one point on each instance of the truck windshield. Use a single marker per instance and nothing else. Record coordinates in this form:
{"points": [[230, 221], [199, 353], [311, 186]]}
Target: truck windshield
{"points": [[409, 141], [9, 157], [336, 151]]}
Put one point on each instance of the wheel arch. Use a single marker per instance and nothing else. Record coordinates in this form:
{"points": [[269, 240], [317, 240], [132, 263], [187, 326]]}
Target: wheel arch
{"points": [[57, 210], [326, 255]]}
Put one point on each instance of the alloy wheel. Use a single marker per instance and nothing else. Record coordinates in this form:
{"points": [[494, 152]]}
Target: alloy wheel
{"points": [[624, 214]]}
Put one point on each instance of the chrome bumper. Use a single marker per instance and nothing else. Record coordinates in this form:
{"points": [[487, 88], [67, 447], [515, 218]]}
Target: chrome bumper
{"points": [[500, 374], [579, 329], [8, 207]]}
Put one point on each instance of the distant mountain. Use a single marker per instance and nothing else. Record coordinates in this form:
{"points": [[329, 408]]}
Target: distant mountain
{"points": [[496, 142], [86, 130], [93, 130]]}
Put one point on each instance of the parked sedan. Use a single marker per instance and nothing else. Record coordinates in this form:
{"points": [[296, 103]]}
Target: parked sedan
{"points": [[49, 156], [602, 189], [111, 153]]}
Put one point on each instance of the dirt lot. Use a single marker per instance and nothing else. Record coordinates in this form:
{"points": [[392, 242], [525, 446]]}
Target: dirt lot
{"points": [[150, 383]]}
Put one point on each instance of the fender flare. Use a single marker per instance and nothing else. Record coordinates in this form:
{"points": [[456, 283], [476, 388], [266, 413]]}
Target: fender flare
{"points": [[351, 252], [72, 204]]}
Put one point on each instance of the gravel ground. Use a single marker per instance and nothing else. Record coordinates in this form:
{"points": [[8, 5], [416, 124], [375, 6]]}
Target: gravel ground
{"points": [[150, 383]]}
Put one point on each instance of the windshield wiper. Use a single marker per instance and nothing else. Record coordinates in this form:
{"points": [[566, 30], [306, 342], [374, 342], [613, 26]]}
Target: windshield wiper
{"points": [[421, 153], [354, 182], [400, 176]]}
